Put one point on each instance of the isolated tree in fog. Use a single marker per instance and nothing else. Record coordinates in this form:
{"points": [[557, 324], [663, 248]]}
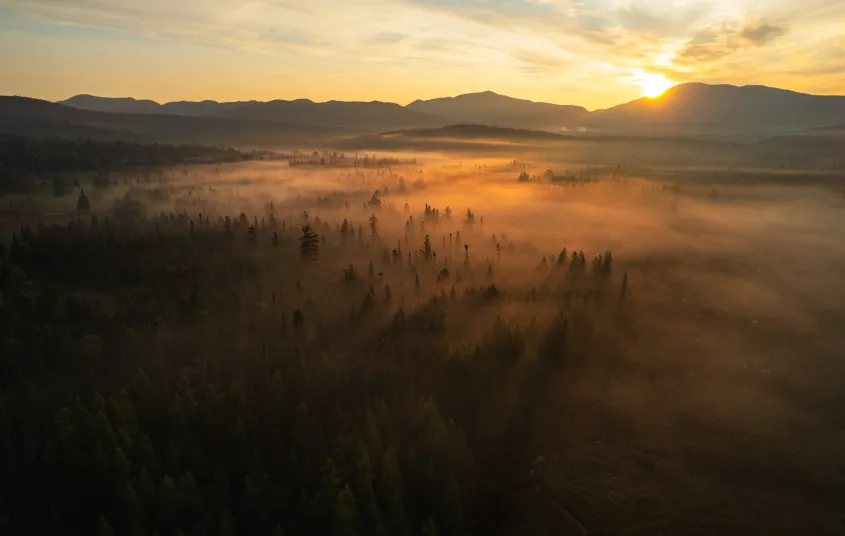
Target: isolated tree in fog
{"points": [[373, 226], [309, 244], [624, 289], [298, 321], [561, 259], [427, 248], [82, 204], [607, 265], [344, 230]]}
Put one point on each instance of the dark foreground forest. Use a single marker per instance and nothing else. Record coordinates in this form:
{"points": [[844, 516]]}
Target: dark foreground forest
{"points": [[176, 359], [158, 377]]}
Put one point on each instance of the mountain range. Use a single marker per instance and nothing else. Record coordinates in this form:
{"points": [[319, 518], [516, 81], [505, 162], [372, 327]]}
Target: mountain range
{"points": [[693, 109]]}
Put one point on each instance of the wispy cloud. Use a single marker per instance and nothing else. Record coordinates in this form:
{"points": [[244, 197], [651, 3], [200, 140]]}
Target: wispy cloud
{"points": [[718, 41], [520, 42], [389, 38], [541, 63]]}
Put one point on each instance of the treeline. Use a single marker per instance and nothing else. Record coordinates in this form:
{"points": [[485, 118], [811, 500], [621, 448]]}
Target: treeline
{"points": [[180, 374], [41, 156]]}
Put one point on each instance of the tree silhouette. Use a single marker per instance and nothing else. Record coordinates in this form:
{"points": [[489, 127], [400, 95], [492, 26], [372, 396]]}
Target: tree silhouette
{"points": [[309, 244], [623, 291], [426, 250], [83, 204], [298, 321]]}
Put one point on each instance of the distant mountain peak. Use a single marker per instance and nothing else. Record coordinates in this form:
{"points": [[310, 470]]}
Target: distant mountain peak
{"points": [[722, 106], [493, 109]]}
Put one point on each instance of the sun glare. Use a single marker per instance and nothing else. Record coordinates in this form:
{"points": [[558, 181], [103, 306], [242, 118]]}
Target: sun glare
{"points": [[654, 85]]}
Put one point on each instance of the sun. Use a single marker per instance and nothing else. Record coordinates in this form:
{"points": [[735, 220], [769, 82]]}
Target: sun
{"points": [[654, 85]]}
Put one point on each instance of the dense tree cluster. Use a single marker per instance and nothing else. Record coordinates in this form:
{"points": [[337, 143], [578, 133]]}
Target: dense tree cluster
{"points": [[201, 374], [40, 156]]}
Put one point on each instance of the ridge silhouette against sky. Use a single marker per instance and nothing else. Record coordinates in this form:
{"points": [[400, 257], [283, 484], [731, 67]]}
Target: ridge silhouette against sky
{"points": [[594, 53]]}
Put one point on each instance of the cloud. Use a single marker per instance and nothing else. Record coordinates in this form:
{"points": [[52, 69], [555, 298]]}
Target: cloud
{"points": [[526, 43], [250, 25], [389, 38], [721, 40], [762, 32], [540, 62]]}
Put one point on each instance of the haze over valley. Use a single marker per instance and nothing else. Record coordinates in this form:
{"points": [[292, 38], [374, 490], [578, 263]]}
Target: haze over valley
{"points": [[362, 294]]}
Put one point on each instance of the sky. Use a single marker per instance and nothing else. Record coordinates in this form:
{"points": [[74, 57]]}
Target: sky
{"points": [[594, 53]]}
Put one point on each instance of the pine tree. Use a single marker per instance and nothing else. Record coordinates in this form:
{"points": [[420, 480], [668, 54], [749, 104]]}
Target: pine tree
{"points": [[227, 524], [103, 527], [607, 266], [561, 259], [427, 248], [344, 230], [298, 321], [309, 244], [345, 514], [373, 226], [429, 528], [624, 289], [168, 504], [83, 204]]}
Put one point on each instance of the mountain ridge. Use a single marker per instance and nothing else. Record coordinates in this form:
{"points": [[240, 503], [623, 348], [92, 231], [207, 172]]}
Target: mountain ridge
{"points": [[683, 107], [693, 109], [750, 106]]}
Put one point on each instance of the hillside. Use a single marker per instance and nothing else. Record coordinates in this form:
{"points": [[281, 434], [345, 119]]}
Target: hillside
{"points": [[706, 107], [691, 110], [378, 115], [490, 108], [125, 105], [368, 115], [38, 118]]}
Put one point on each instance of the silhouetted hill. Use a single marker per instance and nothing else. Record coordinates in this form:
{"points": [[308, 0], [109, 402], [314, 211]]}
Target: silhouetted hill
{"points": [[33, 117], [373, 114], [689, 110], [469, 137], [705, 107], [14, 106], [473, 131], [125, 105], [207, 108], [490, 108]]}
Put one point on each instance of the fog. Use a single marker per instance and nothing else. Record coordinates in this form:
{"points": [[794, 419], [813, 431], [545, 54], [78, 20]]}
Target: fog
{"points": [[704, 372], [737, 288]]}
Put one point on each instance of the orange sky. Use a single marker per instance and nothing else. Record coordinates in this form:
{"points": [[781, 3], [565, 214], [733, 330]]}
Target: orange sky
{"points": [[595, 53]]}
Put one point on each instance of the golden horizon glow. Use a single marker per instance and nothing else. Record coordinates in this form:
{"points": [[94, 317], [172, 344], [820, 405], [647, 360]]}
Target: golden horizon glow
{"points": [[593, 53]]}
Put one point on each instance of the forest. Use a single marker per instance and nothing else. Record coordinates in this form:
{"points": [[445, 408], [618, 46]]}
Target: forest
{"points": [[22, 155], [399, 348]]}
